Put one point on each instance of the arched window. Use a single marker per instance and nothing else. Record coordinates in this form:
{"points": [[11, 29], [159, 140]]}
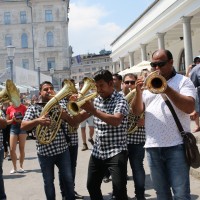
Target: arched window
{"points": [[182, 63], [24, 40], [50, 40]]}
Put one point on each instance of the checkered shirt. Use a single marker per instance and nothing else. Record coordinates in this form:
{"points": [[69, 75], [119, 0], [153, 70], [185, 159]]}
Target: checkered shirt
{"points": [[110, 140], [59, 144], [138, 136], [73, 135], [2, 115]]}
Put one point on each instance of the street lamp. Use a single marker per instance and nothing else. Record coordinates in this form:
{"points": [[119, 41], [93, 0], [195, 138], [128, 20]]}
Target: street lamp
{"points": [[11, 56], [52, 72], [38, 69]]}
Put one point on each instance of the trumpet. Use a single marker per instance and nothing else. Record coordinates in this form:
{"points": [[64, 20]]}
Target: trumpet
{"points": [[155, 83], [74, 106]]}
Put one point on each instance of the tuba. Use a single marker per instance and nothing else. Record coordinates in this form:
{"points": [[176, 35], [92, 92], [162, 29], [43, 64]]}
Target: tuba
{"points": [[155, 83], [74, 106], [44, 134], [10, 93]]}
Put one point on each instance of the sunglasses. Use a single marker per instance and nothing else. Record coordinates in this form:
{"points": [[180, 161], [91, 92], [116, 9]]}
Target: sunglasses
{"points": [[129, 82], [159, 64]]}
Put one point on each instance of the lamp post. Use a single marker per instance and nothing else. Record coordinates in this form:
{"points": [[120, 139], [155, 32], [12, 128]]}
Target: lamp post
{"points": [[11, 56], [38, 70], [51, 73]]}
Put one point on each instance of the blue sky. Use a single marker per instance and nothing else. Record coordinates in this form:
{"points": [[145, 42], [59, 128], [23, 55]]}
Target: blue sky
{"points": [[95, 24]]}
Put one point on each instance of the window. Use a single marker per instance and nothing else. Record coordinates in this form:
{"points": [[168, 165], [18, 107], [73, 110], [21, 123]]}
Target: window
{"points": [[24, 40], [51, 63], [23, 17], [7, 18], [50, 40], [94, 69], [48, 16], [25, 63], [8, 40]]}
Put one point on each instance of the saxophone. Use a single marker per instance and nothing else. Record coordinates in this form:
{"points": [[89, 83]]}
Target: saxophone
{"points": [[46, 134]]}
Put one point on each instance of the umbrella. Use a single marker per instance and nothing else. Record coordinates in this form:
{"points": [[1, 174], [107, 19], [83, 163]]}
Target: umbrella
{"points": [[139, 67]]}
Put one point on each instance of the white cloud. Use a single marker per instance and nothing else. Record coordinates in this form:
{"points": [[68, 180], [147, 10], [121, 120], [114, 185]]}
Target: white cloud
{"points": [[87, 32]]}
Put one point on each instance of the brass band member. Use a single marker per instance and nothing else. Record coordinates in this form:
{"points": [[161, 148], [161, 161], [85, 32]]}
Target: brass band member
{"points": [[135, 143], [110, 112], [164, 145], [56, 152]]}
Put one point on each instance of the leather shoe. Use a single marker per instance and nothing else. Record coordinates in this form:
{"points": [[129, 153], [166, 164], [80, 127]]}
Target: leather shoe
{"points": [[78, 196]]}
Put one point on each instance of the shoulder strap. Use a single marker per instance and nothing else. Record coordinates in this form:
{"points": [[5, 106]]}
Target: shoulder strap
{"points": [[178, 123]]}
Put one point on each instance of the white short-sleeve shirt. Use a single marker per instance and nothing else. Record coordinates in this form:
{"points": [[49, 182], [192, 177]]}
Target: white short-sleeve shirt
{"points": [[161, 129]]}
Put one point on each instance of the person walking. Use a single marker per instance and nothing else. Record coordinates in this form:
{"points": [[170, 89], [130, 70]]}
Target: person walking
{"points": [[56, 152], [135, 141], [14, 116], [169, 170], [110, 112]]}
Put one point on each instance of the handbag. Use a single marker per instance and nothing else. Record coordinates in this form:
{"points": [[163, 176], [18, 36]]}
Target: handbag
{"points": [[190, 144]]}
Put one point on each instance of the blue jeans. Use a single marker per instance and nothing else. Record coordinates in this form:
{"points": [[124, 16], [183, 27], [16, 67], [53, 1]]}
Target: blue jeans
{"points": [[2, 189], [136, 157], [169, 169], [117, 166], [73, 151], [63, 162]]}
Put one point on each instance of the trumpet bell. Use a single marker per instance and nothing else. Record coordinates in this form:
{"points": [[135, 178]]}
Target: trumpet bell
{"points": [[155, 83], [10, 93]]}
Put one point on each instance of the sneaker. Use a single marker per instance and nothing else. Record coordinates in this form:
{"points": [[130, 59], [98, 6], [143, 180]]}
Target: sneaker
{"points": [[78, 196], [13, 171], [85, 147], [91, 141], [21, 170]]}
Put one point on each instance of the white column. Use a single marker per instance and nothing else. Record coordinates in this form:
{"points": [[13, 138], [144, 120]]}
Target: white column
{"points": [[143, 51], [187, 40], [121, 60], [131, 58], [161, 41], [114, 65]]}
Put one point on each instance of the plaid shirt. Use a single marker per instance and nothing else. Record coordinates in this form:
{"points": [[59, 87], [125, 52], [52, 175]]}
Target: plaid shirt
{"points": [[73, 135], [59, 144], [138, 136], [2, 115], [110, 140]]}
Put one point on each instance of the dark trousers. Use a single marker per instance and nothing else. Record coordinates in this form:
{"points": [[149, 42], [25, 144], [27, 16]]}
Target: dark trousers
{"points": [[6, 138], [117, 166], [73, 151]]}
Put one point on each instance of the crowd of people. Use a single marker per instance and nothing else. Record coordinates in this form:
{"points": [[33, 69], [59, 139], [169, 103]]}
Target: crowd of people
{"points": [[109, 116]]}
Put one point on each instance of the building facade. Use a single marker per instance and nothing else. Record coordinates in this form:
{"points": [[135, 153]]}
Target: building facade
{"points": [[87, 65], [39, 31], [165, 24]]}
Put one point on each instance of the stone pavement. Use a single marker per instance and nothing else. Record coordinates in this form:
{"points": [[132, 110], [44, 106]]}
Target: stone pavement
{"points": [[29, 186]]}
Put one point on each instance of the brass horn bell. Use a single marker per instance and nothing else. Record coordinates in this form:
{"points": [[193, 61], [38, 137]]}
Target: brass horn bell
{"points": [[10, 93], [74, 106]]}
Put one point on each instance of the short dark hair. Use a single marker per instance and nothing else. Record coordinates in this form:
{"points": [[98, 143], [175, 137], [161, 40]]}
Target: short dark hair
{"points": [[196, 59], [119, 77], [130, 74], [167, 52], [103, 75], [45, 82]]}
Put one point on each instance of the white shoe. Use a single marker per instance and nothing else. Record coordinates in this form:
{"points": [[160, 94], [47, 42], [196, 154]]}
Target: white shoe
{"points": [[21, 170], [13, 171]]}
